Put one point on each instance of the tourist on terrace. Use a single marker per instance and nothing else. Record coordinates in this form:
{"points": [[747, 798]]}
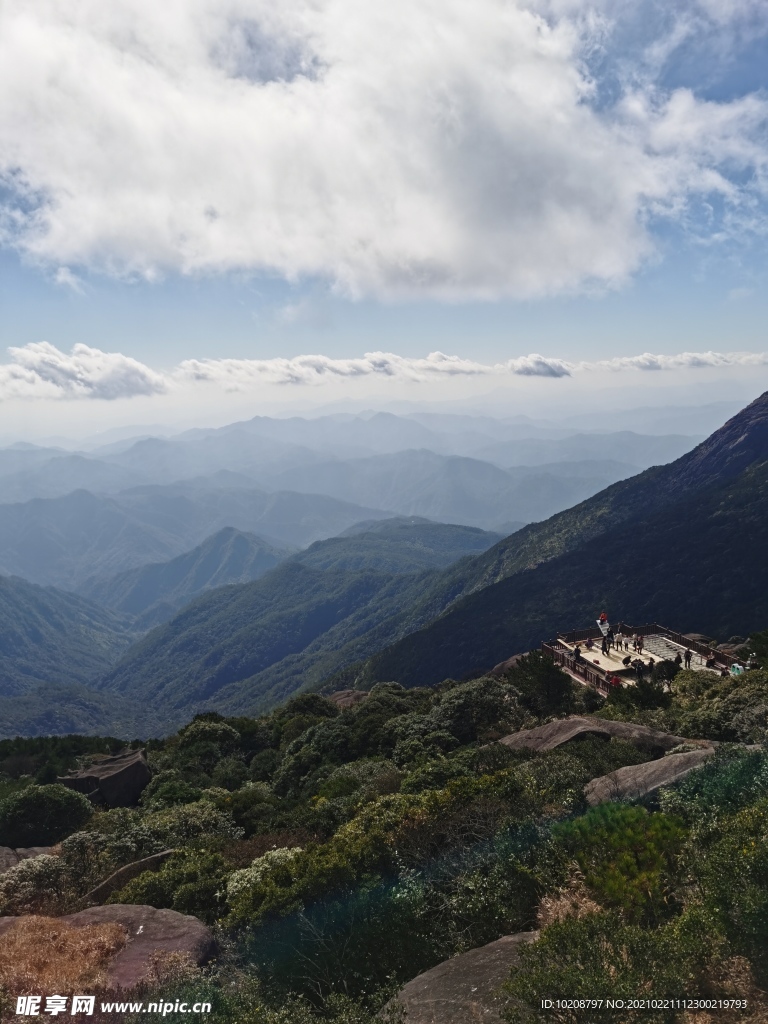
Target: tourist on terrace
{"points": [[590, 643], [640, 642], [688, 655], [618, 640], [678, 660]]}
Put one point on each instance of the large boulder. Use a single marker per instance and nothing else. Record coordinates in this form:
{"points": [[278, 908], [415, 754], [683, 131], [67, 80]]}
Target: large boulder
{"points": [[565, 730], [149, 931], [465, 988], [116, 781], [639, 780]]}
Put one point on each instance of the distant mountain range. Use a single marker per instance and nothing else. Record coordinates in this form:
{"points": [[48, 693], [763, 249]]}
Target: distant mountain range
{"points": [[266, 452], [242, 621], [73, 541], [679, 542]]}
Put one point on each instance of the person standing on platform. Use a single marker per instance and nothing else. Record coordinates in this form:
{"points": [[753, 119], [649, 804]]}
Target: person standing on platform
{"points": [[640, 642], [687, 657], [618, 640]]}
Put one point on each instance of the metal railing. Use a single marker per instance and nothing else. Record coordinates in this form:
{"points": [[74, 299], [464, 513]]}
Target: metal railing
{"points": [[586, 672], [651, 629]]}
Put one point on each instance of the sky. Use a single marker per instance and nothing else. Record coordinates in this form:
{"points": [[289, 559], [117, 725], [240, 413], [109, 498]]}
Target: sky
{"points": [[212, 208]]}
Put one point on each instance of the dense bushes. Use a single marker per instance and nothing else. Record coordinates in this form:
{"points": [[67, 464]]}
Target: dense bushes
{"points": [[344, 851], [41, 815]]}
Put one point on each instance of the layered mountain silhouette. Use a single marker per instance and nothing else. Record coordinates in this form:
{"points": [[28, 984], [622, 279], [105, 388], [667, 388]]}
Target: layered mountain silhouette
{"points": [[72, 540], [681, 543]]}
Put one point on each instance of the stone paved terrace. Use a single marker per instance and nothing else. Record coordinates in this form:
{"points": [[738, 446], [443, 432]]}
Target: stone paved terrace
{"points": [[659, 644], [655, 648]]}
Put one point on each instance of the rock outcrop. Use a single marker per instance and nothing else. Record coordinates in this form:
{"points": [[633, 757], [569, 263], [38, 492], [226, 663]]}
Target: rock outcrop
{"points": [[10, 858], [638, 780], [565, 730], [116, 781], [465, 988], [148, 931]]}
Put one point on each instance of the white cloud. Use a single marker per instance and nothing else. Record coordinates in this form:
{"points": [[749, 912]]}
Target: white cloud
{"points": [[414, 148], [41, 371]]}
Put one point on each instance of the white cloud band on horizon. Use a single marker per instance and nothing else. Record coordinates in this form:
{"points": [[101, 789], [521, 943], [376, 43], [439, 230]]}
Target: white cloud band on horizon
{"points": [[422, 148], [41, 371]]}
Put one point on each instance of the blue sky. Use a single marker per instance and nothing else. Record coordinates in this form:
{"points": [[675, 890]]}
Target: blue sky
{"points": [[233, 181]]}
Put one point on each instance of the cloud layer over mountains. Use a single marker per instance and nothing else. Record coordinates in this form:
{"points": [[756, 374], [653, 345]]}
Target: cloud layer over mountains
{"points": [[418, 148], [42, 371]]}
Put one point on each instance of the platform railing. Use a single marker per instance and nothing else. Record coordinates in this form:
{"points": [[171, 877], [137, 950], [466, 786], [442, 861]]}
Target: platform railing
{"points": [[575, 636], [581, 668]]}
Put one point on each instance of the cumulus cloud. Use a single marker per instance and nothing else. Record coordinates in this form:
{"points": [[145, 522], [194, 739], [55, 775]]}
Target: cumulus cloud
{"points": [[414, 148], [42, 371]]}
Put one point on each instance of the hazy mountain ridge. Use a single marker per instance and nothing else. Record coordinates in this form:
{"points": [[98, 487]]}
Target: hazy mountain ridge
{"points": [[487, 607], [71, 541], [154, 593]]}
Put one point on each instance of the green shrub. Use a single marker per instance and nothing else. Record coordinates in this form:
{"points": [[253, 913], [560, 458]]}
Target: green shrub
{"points": [[40, 885], [42, 815], [602, 956], [201, 731], [628, 857], [190, 883]]}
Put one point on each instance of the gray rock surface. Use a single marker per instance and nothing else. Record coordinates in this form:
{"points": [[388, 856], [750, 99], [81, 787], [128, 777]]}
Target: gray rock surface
{"points": [[465, 988], [8, 859], [149, 930], [565, 730], [124, 875], [116, 781], [637, 780], [30, 852]]}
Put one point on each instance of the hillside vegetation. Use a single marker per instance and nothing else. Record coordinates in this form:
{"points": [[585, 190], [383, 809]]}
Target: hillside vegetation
{"points": [[341, 852]]}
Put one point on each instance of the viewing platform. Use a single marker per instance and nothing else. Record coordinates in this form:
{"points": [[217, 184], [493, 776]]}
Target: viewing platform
{"points": [[594, 668]]}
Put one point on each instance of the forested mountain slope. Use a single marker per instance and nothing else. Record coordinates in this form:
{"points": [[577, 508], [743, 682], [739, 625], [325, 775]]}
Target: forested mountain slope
{"points": [[153, 593], [696, 565], [53, 637], [251, 645]]}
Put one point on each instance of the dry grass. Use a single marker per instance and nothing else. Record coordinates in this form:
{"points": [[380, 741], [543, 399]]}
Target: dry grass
{"points": [[42, 955], [573, 900], [166, 968]]}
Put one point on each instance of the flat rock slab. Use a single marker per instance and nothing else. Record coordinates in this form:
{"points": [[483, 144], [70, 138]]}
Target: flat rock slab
{"points": [[149, 930], [638, 780], [565, 730], [465, 988]]}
